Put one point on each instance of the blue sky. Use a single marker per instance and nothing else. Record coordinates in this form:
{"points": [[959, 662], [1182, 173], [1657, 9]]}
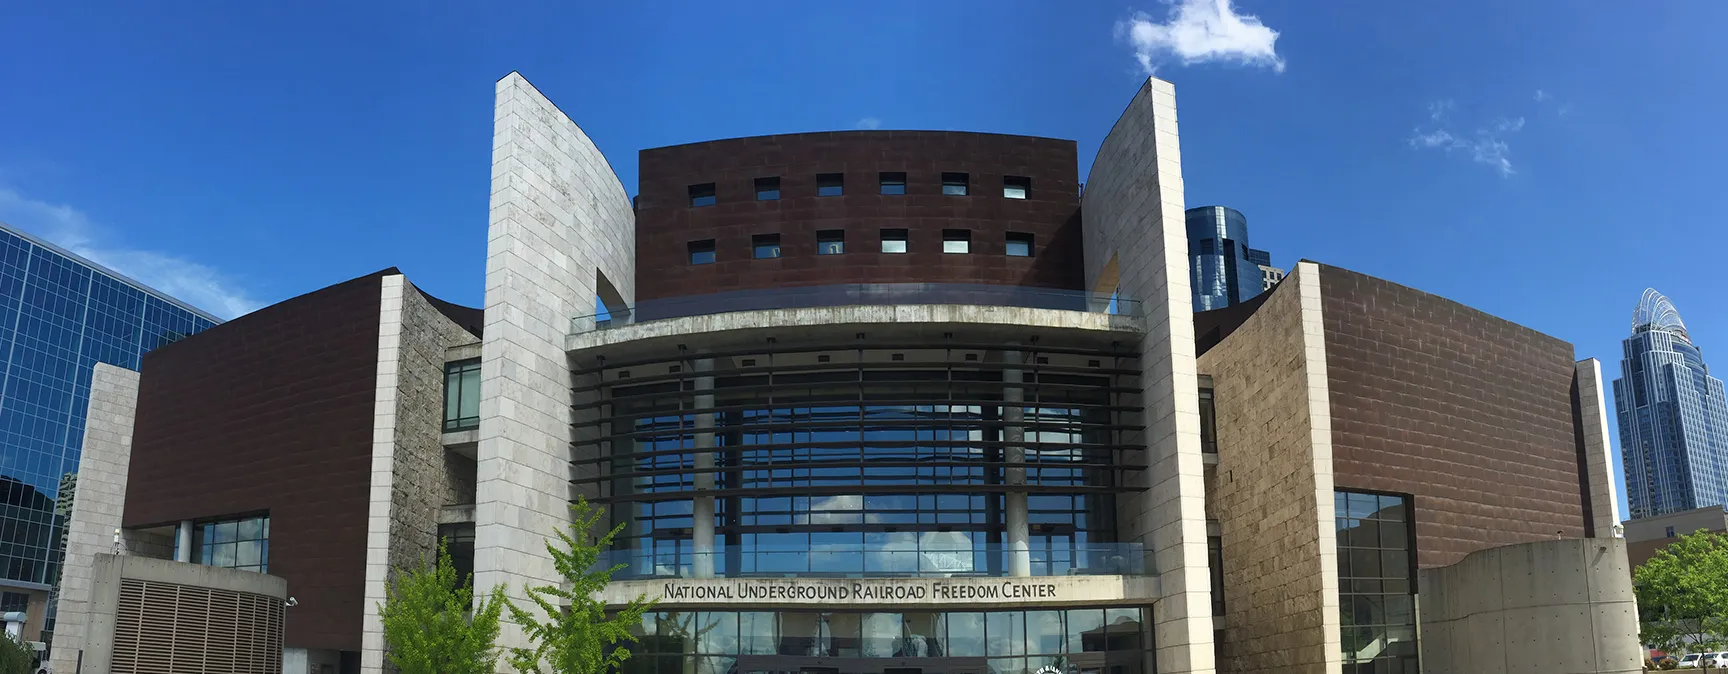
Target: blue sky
{"points": [[1526, 158]]}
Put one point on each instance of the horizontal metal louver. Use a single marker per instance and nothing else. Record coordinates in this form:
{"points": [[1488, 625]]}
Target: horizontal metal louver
{"points": [[164, 628]]}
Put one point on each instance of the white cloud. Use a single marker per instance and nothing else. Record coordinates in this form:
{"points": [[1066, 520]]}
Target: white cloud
{"points": [[1486, 146], [1200, 31], [194, 283], [1438, 109], [869, 123], [1542, 96]]}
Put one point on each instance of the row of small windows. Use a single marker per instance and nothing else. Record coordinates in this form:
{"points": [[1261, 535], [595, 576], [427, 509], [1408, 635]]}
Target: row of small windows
{"points": [[833, 242], [892, 183]]}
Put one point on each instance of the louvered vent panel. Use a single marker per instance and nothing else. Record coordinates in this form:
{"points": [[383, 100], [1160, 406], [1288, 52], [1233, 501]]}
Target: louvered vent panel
{"points": [[163, 628]]}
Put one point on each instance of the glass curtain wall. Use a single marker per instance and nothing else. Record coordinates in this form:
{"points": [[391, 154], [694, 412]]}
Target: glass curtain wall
{"points": [[1079, 641], [1376, 582], [866, 461]]}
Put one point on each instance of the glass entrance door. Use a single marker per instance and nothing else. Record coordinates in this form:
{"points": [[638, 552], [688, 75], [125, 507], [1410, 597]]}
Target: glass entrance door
{"points": [[791, 664]]}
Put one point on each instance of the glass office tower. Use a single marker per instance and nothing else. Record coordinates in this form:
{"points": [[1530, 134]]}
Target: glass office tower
{"points": [[59, 315], [1673, 419], [1225, 270]]}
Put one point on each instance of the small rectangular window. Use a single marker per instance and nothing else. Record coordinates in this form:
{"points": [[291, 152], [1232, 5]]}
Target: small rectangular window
{"points": [[830, 184], [702, 252], [830, 242], [893, 240], [768, 189], [954, 184], [1208, 418], [766, 245], [1015, 187], [956, 241], [702, 195], [1019, 244], [462, 395], [893, 183]]}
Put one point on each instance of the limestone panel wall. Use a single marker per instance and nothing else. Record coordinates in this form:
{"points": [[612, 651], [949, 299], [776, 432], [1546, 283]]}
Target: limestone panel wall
{"points": [[1135, 240], [1271, 491], [1591, 419], [409, 478], [96, 506], [559, 220], [1549, 606], [458, 480]]}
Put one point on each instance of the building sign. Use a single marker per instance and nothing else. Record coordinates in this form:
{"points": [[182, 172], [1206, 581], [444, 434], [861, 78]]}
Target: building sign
{"points": [[1054, 590], [856, 591]]}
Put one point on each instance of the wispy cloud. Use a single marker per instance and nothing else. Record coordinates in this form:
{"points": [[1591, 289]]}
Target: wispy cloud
{"points": [[869, 123], [1560, 108], [197, 284], [1503, 125], [1486, 145], [1200, 31], [1438, 109]]}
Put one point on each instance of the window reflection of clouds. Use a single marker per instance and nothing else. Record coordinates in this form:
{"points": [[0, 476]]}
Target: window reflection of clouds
{"points": [[777, 441]]}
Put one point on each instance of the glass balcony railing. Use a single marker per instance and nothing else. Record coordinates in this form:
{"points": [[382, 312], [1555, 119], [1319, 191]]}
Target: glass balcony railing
{"points": [[911, 560], [856, 294]]}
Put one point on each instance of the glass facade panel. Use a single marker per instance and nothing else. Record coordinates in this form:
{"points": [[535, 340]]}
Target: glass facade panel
{"points": [[830, 242], [894, 240], [462, 395], [1208, 418], [242, 544], [59, 316], [1020, 642], [1376, 572], [830, 184], [765, 245], [956, 241], [955, 184], [866, 462], [768, 189], [702, 195], [1673, 416], [893, 183], [702, 252], [1225, 270]]}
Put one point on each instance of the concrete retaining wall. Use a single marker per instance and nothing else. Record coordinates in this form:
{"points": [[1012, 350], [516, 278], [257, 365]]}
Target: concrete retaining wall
{"points": [[1551, 606], [238, 629]]}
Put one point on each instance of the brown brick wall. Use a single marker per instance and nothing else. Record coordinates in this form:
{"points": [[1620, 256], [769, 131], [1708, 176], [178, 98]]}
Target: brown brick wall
{"points": [[665, 222], [272, 412], [1468, 412]]}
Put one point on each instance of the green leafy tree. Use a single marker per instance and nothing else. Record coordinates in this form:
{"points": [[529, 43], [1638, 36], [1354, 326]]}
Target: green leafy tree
{"points": [[571, 632], [1683, 594], [432, 624], [16, 657]]}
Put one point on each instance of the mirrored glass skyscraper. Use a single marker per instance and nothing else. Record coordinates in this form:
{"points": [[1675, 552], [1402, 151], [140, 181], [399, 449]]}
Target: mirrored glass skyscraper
{"points": [[1224, 269], [59, 315], [1672, 414]]}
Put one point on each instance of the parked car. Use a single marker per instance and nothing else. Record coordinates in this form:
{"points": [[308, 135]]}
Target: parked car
{"points": [[1689, 661], [1697, 660]]}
